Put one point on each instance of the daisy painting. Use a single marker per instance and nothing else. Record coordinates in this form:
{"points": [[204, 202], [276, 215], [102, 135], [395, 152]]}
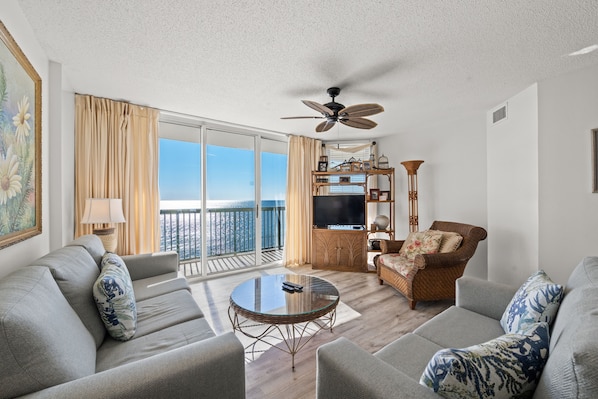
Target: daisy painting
{"points": [[20, 144]]}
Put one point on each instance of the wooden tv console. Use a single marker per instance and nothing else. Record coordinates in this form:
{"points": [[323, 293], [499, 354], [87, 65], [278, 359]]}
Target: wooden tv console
{"points": [[343, 250]]}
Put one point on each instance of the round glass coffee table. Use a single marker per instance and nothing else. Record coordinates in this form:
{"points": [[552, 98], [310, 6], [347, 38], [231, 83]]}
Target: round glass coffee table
{"points": [[264, 310]]}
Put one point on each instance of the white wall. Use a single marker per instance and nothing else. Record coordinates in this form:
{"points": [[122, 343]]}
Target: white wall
{"points": [[451, 181], [568, 111], [512, 148], [29, 250]]}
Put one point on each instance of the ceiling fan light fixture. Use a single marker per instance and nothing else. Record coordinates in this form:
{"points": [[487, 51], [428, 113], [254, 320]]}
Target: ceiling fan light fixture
{"points": [[336, 112]]}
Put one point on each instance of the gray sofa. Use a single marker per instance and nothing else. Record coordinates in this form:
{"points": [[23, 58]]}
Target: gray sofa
{"points": [[347, 371], [53, 343]]}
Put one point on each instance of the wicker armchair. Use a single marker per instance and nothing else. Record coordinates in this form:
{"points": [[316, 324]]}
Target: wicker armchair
{"points": [[435, 279]]}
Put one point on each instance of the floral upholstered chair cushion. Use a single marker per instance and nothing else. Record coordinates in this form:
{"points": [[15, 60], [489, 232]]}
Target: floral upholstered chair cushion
{"points": [[416, 243], [421, 242], [406, 267], [538, 299], [506, 367], [115, 299]]}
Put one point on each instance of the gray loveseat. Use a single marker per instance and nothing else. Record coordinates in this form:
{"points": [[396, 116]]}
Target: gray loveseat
{"points": [[347, 371], [53, 343]]}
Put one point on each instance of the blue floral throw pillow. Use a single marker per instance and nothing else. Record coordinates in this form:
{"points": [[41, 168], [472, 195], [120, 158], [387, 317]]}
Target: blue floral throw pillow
{"points": [[538, 299], [115, 299], [506, 367]]}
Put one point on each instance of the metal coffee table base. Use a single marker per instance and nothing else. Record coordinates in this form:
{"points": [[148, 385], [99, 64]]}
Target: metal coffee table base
{"points": [[287, 337]]}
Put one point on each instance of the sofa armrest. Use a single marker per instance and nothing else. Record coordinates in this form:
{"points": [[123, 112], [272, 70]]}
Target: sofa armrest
{"points": [[212, 368], [391, 246], [151, 265], [483, 296], [344, 370]]}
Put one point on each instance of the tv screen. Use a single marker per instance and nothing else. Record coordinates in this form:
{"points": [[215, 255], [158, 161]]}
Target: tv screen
{"points": [[345, 209]]}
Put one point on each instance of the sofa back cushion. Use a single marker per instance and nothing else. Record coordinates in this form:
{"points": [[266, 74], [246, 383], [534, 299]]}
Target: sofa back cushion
{"points": [[42, 341], [92, 244], [585, 273], [75, 271], [572, 367]]}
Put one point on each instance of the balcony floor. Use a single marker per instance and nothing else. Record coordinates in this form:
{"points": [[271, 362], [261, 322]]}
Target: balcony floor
{"points": [[226, 263]]}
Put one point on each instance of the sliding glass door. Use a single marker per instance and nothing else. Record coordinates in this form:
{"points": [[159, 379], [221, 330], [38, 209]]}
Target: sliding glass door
{"points": [[231, 212], [222, 198]]}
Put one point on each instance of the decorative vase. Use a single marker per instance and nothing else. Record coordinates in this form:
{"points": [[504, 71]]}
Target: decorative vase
{"points": [[382, 222]]}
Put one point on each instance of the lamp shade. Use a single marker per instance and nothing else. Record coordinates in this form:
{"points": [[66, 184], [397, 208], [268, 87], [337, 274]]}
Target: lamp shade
{"points": [[103, 210]]}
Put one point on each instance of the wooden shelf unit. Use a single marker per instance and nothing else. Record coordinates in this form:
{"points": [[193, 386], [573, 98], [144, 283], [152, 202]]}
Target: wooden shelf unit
{"points": [[347, 250]]}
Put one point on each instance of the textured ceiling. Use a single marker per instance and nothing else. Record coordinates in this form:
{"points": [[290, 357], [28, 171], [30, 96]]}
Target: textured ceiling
{"points": [[251, 62]]}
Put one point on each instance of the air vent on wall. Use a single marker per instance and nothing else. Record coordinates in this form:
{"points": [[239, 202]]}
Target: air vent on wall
{"points": [[499, 114]]}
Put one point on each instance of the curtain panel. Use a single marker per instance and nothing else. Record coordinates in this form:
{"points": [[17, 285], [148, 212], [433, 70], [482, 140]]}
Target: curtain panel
{"points": [[116, 156], [304, 154]]}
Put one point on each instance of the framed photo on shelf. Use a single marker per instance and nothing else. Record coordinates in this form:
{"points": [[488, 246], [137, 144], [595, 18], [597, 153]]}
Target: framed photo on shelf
{"points": [[367, 165], [384, 195], [374, 194], [322, 166], [356, 166], [344, 179], [345, 167]]}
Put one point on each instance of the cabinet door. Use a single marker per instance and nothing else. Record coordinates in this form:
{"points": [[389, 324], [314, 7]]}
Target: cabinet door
{"points": [[339, 250]]}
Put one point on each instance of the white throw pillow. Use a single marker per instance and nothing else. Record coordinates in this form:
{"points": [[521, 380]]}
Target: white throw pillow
{"points": [[115, 299], [537, 299], [506, 367]]}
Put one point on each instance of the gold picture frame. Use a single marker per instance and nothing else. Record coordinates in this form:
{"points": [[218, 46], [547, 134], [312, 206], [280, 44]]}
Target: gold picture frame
{"points": [[20, 144]]}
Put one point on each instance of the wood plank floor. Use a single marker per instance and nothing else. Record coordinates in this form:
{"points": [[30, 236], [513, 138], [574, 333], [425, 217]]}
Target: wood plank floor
{"points": [[385, 316]]}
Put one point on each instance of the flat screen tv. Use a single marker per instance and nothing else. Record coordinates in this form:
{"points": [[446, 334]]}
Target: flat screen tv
{"points": [[342, 209]]}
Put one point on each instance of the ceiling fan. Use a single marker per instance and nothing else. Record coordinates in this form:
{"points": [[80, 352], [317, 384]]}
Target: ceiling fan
{"points": [[335, 112]]}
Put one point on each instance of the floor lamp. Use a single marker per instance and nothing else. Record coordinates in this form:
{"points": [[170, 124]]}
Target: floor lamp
{"points": [[104, 211], [412, 167]]}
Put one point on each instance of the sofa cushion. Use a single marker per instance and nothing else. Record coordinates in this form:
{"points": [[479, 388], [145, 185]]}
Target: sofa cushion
{"points": [[585, 273], [421, 242], [571, 370], [93, 245], [399, 263], [506, 367], [114, 353], [450, 241], [453, 328], [75, 272], [115, 298], [537, 299], [163, 311], [155, 286], [409, 354], [42, 340]]}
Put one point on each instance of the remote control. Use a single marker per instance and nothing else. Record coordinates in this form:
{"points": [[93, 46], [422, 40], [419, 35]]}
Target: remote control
{"points": [[294, 285], [290, 290], [285, 286]]}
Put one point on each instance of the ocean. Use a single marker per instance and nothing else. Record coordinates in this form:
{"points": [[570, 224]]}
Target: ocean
{"points": [[230, 227]]}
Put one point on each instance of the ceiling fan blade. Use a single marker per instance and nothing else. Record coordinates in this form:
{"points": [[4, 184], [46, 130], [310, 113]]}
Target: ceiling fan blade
{"points": [[324, 110], [324, 126], [301, 117], [359, 123], [359, 110]]}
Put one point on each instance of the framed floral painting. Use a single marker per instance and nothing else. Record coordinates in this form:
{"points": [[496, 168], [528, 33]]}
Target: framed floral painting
{"points": [[20, 144]]}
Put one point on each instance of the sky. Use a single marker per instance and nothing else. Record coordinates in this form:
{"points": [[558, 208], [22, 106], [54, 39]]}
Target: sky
{"points": [[230, 172]]}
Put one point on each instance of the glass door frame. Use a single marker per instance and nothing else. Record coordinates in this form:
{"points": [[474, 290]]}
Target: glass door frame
{"points": [[202, 126]]}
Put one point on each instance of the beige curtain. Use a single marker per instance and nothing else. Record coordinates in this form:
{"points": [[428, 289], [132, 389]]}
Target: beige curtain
{"points": [[303, 157], [116, 156]]}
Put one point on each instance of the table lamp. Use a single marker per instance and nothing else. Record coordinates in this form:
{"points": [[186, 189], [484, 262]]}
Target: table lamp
{"points": [[104, 211]]}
